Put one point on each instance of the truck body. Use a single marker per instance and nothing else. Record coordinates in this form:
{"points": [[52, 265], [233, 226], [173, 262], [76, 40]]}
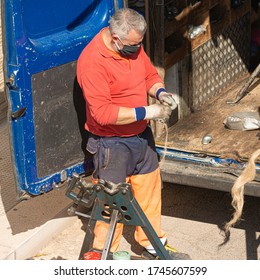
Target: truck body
{"points": [[46, 108]]}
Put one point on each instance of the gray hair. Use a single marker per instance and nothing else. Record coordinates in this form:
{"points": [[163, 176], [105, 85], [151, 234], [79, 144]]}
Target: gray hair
{"points": [[125, 20]]}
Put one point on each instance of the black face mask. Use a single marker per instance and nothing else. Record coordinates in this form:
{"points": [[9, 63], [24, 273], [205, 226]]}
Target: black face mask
{"points": [[129, 50]]}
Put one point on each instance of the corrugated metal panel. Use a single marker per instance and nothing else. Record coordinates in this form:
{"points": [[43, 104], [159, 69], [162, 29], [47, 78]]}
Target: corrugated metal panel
{"points": [[219, 62]]}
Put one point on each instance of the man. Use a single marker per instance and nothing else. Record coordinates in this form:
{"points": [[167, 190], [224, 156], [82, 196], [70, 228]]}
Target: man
{"points": [[116, 75]]}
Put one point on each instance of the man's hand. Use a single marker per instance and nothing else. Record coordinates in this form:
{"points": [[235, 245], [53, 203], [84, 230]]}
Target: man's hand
{"points": [[157, 112], [167, 99]]}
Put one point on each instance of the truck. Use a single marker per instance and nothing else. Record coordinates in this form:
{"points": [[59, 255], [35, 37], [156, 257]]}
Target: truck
{"points": [[205, 51]]}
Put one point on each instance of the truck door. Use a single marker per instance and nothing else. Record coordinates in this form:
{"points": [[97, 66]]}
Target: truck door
{"points": [[46, 111]]}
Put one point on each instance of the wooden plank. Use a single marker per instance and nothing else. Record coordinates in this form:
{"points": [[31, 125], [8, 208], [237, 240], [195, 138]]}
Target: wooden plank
{"points": [[201, 19], [187, 133]]}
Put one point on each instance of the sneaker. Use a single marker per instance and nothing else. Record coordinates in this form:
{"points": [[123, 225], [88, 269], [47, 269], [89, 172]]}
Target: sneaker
{"points": [[173, 253]]}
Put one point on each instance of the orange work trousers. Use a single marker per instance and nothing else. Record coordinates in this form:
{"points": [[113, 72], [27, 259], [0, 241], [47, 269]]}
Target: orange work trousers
{"points": [[147, 191]]}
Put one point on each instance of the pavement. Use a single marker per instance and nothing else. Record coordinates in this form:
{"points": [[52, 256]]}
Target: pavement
{"points": [[30, 225], [193, 219]]}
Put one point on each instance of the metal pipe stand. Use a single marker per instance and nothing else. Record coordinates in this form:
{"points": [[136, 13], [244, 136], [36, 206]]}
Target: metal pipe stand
{"points": [[112, 204]]}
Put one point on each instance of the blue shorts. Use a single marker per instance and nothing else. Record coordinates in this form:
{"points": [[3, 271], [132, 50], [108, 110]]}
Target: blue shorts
{"points": [[116, 158]]}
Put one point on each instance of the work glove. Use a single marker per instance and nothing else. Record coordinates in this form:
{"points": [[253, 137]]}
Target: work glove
{"points": [[157, 112], [166, 98]]}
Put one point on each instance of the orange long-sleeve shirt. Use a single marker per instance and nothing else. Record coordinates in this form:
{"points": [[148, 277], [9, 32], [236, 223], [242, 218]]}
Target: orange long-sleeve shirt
{"points": [[109, 82]]}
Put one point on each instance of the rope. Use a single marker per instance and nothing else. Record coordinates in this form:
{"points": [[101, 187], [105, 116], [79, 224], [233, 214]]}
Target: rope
{"points": [[237, 190], [165, 144]]}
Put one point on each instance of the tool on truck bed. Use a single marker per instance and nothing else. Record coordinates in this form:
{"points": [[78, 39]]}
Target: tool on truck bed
{"points": [[112, 203], [244, 90]]}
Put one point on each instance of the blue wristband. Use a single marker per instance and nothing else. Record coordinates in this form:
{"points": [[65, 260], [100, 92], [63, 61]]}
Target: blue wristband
{"points": [[140, 113], [159, 91]]}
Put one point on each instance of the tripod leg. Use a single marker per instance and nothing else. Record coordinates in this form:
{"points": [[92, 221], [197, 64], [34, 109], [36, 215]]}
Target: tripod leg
{"points": [[89, 237], [110, 235], [149, 231]]}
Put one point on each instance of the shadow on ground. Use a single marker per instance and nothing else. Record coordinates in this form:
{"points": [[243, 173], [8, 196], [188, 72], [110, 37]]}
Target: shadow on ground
{"points": [[36, 211], [207, 206], [28, 214]]}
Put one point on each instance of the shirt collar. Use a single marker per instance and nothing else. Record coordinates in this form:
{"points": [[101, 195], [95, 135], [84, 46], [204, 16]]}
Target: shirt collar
{"points": [[104, 50]]}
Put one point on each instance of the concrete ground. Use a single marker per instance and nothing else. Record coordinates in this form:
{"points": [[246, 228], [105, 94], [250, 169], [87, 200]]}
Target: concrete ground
{"points": [[193, 218]]}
